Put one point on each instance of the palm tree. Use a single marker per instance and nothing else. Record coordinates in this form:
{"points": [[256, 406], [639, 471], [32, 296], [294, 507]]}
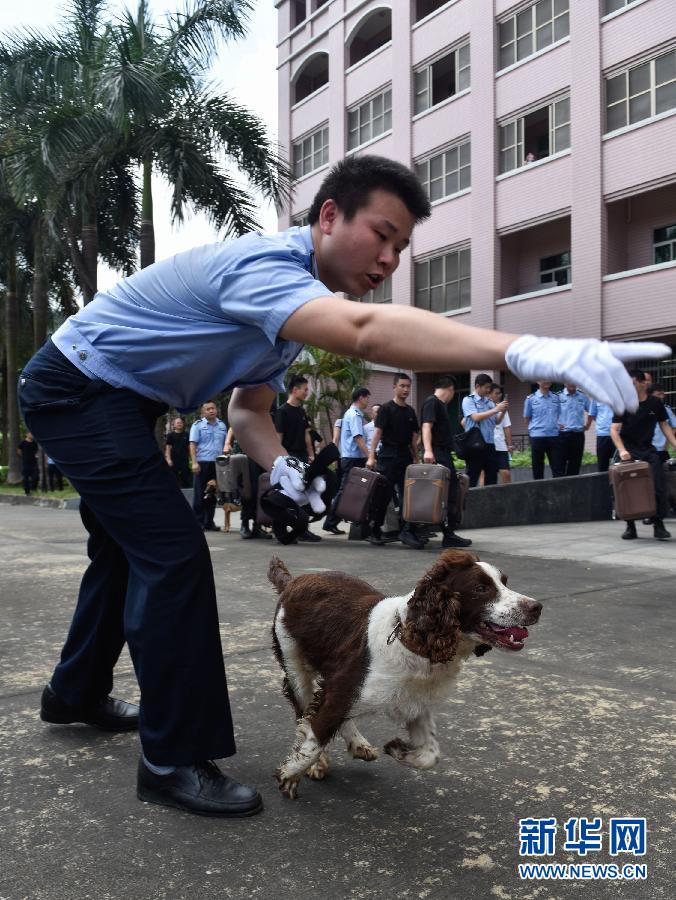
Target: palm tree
{"points": [[333, 378]]}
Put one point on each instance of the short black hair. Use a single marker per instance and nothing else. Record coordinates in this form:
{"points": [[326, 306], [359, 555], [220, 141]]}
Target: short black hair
{"points": [[482, 379], [497, 387], [351, 181], [445, 381], [360, 392], [655, 388], [638, 374], [296, 381], [400, 376]]}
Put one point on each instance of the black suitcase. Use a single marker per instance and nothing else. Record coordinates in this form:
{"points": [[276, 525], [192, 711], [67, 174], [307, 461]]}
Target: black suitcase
{"points": [[360, 491], [233, 476]]}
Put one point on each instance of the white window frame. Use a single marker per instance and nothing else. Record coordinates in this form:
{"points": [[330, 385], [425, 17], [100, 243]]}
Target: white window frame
{"points": [[461, 254], [316, 141], [652, 90], [534, 28], [669, 242], [300, 219], [556, 125], [423, 170], [385, 116], [553, 270], [463, 73]]}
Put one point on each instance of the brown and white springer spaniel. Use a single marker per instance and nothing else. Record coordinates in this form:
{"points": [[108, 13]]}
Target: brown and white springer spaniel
{"points": [[347, 651]]}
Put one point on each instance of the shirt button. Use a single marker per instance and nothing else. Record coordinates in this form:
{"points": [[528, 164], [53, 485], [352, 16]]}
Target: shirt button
{"points": [[82, 355]]}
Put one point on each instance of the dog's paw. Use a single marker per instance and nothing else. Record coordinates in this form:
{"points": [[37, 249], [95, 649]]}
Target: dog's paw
{"points": [[364, 751], [288, 785], [225, 530], [397, 748], [319, 769]]}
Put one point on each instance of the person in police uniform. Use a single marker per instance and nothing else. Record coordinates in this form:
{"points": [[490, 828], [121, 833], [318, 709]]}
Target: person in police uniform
{"points": [[542, 412], [207, 441], [227, 316], [574, 422], [602, 416]]}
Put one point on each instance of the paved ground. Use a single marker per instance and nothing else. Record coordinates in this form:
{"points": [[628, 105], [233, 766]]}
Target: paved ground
{"points": [[581, 723]]}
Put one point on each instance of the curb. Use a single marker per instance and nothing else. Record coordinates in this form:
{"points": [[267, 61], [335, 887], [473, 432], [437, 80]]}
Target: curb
{"points": [[49, 502]]}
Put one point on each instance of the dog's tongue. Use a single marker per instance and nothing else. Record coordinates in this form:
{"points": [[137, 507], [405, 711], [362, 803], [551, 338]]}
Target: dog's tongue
{"points": [[519, 634]]}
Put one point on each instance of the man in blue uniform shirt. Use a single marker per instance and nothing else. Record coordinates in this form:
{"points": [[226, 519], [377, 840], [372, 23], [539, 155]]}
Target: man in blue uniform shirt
{"points": [[480, 412], [227, 316], [542, 411], [353, 449], [207, 440], [602, 416], [573, 424]]}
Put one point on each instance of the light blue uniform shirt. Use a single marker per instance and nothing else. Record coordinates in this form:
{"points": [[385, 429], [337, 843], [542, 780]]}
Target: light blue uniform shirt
{"points": [[659, 440], [353, 424], [209, 439], [604, 417], [573, 408], [369, 428], [544, 414], [200, 322], [473, 404]]}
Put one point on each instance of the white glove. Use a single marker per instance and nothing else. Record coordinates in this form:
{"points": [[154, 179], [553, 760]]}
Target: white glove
{"points": [[289, 478], [314, 495], [595, 366]]}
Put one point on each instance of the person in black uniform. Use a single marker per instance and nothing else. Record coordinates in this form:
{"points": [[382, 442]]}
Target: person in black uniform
{"points": [[397, 430], [632, 434], [177, 454], [293, 427], [438, 446], [30, 473]]}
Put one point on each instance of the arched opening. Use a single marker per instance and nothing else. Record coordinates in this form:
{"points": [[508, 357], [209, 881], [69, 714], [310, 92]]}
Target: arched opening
{"points": [[374, 31], [312, 75]]}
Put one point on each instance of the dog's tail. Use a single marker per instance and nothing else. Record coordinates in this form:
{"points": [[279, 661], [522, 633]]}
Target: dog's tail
{"points": [[278, 574]]}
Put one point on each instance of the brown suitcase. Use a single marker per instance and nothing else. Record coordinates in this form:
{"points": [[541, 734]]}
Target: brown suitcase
{"points": [[361, 489], [426, 493], [634, 490], [262, 518]]}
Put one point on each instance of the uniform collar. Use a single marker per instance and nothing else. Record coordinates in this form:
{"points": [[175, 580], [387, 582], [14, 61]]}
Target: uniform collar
{"points": [[305, 233]]}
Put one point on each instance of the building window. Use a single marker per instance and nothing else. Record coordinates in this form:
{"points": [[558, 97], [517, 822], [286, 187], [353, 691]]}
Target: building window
{"points": [[664, 244], [311, 152], [318, 3], [313, 75], [381, 294], [531, 30], [425, 8], [555, 270], [374, 32], [641, 92], [442, 78], [370, 119], [446, 173], [535, 136], [443, 283], [301, 219], [297, 12], [611, 6]]}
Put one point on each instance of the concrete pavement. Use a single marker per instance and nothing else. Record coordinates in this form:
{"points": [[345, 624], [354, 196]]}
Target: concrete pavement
{"points": [[580, 723]]}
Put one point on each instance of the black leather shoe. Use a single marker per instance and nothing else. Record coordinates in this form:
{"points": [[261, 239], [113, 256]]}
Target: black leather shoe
{"points": [[201, 789], [108, 714], [629, 533], [659, 531], [309, 537], [451, 539], [257, 532], [376, 537], [245, 531], [411, 540], [333, 529]]}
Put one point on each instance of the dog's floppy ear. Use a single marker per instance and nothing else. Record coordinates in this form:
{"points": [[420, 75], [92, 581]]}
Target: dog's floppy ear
{"points": [[432, 626], [460, 559]]}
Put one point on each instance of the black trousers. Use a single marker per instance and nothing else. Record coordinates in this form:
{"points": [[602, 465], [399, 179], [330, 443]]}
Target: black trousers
{"points": [[653, 457], [394, 470], [539, 446], [443, 457], [54, 477], [30, 477], [182, 471], [207, 472], [605, 450], [485, 461], [572, 448], [149, 581], [249, 505]]}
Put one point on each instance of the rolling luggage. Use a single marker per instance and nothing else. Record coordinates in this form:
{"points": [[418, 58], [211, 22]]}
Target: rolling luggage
{"points": [[360, 491], [262, 518], [670, 481], [634, 490], [232, 475], [426, 493]]}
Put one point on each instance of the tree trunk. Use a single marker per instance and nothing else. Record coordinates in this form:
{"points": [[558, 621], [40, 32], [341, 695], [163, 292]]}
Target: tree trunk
{"points": [[11, 344], [90, 251], [40, 290], [147, 227], [4, 450]]}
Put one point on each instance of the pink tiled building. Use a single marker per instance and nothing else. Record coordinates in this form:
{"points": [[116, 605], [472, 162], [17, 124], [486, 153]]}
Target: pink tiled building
{"points": [[545, 133]]}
